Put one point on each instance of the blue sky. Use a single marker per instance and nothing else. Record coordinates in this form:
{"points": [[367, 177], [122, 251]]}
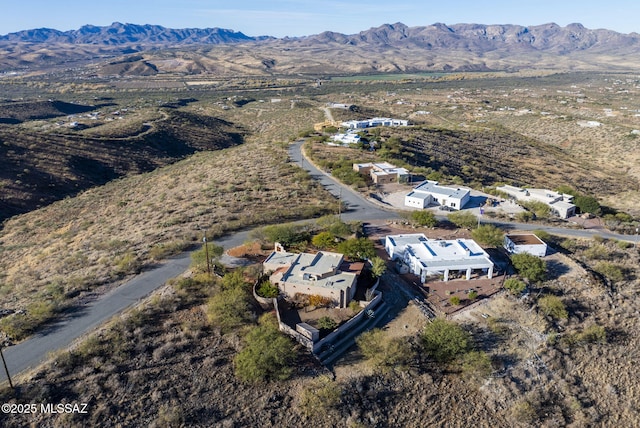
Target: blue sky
{"points": [[304, 17]]}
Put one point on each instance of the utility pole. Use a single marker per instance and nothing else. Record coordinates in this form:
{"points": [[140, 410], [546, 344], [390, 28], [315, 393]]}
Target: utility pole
{"points": [[340, 204], [635, 243], [206, 253], [6, 370]]}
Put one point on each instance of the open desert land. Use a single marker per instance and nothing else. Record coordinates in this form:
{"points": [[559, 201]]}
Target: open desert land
{"points": [[563, 354]]}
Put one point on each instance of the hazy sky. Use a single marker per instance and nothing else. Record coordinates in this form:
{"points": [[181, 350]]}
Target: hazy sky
{"points": [[304, 17]]}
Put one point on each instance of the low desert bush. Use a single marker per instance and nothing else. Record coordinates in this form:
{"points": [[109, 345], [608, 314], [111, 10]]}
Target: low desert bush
{"points": [[384, 353], [553, 306], [321, 395], [267, 353]]}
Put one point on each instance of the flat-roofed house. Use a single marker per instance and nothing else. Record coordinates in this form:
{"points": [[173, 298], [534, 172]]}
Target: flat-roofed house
{"points": [[561, 204], [516, 243], [429, 192], [426, 257], [325, 274], [382, 172], [372, 123]]}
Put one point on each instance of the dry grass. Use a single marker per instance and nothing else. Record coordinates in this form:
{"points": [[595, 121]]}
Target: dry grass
{"points": [[541, 378], [108, 232], [165, 365]]}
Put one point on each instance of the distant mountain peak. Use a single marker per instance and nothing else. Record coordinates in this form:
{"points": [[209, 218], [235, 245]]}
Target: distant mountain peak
{"points": [[124, 34], [386, 48]]}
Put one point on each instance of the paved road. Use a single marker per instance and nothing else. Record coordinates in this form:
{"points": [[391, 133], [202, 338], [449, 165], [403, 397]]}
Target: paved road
{"points": [[32, 352], [360, 208], [357, 207], [35, 350]]}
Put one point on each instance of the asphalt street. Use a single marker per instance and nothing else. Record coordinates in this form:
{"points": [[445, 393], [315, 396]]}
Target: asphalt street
{"points": [[35, 350]]}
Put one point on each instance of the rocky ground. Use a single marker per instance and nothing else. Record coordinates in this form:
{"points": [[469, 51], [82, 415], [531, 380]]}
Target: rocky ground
{"points": [[164, 365]]}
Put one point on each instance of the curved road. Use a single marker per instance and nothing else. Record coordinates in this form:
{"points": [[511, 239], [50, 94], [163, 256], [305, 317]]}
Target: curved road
{"points": [[32, 352], [360, 208]]}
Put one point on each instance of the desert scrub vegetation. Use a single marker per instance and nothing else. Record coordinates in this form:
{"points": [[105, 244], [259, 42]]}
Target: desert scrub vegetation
{"points": [[529, 267], [488, 234], [553, 307], [423, 218], [320, 396], [463, 219], [515, 286], [325, 233], [267, 353], [447, 343], [385, 353], [119, 228], [60, 164]]}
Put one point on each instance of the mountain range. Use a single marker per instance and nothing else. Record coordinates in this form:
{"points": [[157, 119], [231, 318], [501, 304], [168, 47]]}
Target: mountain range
{"points": [[387, 48]]}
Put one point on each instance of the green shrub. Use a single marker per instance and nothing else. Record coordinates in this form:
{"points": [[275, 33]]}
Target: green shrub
{"points": [[286, 234], [324, 240], [553, 306], [587, 204], [267, 289], [445, 341], [321, 395], [592, 334], [597, 252], [267, 353], [378, 266], [613, 272], [327, 323], [199, 257], [476, 364], [530, 267], [623, 245], [524, 216], [455, 300], [463, 219], [424, 218], [473, 294], [540, 209], [383, 352], [515, 286], [229, 309], [488, 234], [569, 244], [20, 326], [357, 248], [523, 411], [333, 225], [127, 263], [235, 280], [355, 306]]}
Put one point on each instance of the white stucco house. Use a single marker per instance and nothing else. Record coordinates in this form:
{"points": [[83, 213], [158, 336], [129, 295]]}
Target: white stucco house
{"points": [[561, 204], [430, 193], [372, 123], [346, 139], [426, 256], [525, 243]]}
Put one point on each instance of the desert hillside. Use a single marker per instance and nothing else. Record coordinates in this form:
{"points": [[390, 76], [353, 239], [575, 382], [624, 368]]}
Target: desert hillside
{"points": [[146, 50]]}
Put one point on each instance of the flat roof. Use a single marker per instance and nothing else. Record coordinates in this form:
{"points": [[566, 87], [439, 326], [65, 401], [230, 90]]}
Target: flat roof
{"points": [[566, 206], [434, 188], [525, 239], [441, 253], [280, 258], [318, 264]]}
